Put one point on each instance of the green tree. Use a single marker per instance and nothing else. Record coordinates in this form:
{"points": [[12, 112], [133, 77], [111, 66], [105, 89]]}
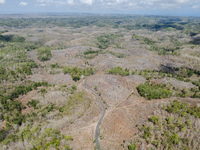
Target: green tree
{"points": [[44, 54]]}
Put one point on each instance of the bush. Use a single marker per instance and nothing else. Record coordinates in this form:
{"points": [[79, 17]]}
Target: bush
{"points": [[154, 119], [154, 91], [12, 38], [8, 125], [69, 138], [3, 134], [61, 109], [132, 146], [33, 103], [183, 108], [44, 54], [119, 71], [133, 72], [104, 41], [119, 55], [167, 129], [90, 51], [74, 87], [146, 133], [77, 72], [173, 139], [43, 91], [3, 73], [18, 120]]}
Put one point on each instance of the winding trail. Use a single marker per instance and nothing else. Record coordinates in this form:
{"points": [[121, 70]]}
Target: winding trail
{"points": [[103, 113]]}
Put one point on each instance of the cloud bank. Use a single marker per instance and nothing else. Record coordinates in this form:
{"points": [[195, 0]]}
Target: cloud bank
{"points": [[124, 4], [23, 3], [156, 7], [2, 1]]}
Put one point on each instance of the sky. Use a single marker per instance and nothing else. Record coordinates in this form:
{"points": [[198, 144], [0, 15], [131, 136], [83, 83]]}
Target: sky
{"points": [[143, 7]]}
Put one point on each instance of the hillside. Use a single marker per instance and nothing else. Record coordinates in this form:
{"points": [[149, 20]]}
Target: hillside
{"points": [[145, 69]]}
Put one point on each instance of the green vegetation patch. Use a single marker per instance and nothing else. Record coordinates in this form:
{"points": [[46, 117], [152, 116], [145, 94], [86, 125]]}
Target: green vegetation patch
{"points": [[14, 64], [3, 73], [119, 71], [12, 108], [77, 72], [183, 109], [104, 41], [119, 55], [11, 38], [181, 73], [144, 39], [89, 54], [37, 138], [169, 50], [93, 53], [74, 101], [154, 91], [174, 50], [90, 51], [167, 132], [44, 54]]}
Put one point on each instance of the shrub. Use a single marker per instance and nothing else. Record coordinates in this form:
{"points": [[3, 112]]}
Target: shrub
{"points": [[3, 134], [132, 146], [18, 120], [119, 55], [61, 109], [183, 108], [43, 91], [146, 133], [154, 119], [119, 71], [90, 51], [56, 65], [173, 139], [74, 87], [133, 72], [8, 125], [104, 41], [154, 91], [33, 103], [3, 73], [44, 54], [68, 138], [77, 72]]}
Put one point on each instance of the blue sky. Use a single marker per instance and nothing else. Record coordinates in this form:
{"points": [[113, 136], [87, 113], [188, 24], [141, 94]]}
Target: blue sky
{"points": [[149, 7]]}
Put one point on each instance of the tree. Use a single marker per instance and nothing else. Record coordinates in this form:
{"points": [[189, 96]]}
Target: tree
{"points": [[44, 54]]}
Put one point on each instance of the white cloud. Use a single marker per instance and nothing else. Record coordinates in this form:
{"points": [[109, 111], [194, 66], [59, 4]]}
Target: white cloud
{"points": [[51, 2], [121, 1], [23, 3], [2, 1], [71, 2], [196, 6], [88, 2], [122, 4], [60, 3], [43, 4], [182, 1]]}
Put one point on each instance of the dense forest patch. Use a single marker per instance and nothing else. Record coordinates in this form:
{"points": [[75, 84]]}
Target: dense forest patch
{"points": [[154, 91]]}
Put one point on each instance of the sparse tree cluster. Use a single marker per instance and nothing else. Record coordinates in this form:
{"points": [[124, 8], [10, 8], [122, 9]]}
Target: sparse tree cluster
{"points": [[77, 72], [174, 129], [119, 71], [154, 91], [44, 54]]}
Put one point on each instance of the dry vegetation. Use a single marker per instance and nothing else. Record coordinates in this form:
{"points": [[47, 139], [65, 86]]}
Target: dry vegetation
{"points": [[142, 64]]}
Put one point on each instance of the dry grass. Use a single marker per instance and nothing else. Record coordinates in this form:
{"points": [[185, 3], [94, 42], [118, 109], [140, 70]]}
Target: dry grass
{"points": [[125, 108]]}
